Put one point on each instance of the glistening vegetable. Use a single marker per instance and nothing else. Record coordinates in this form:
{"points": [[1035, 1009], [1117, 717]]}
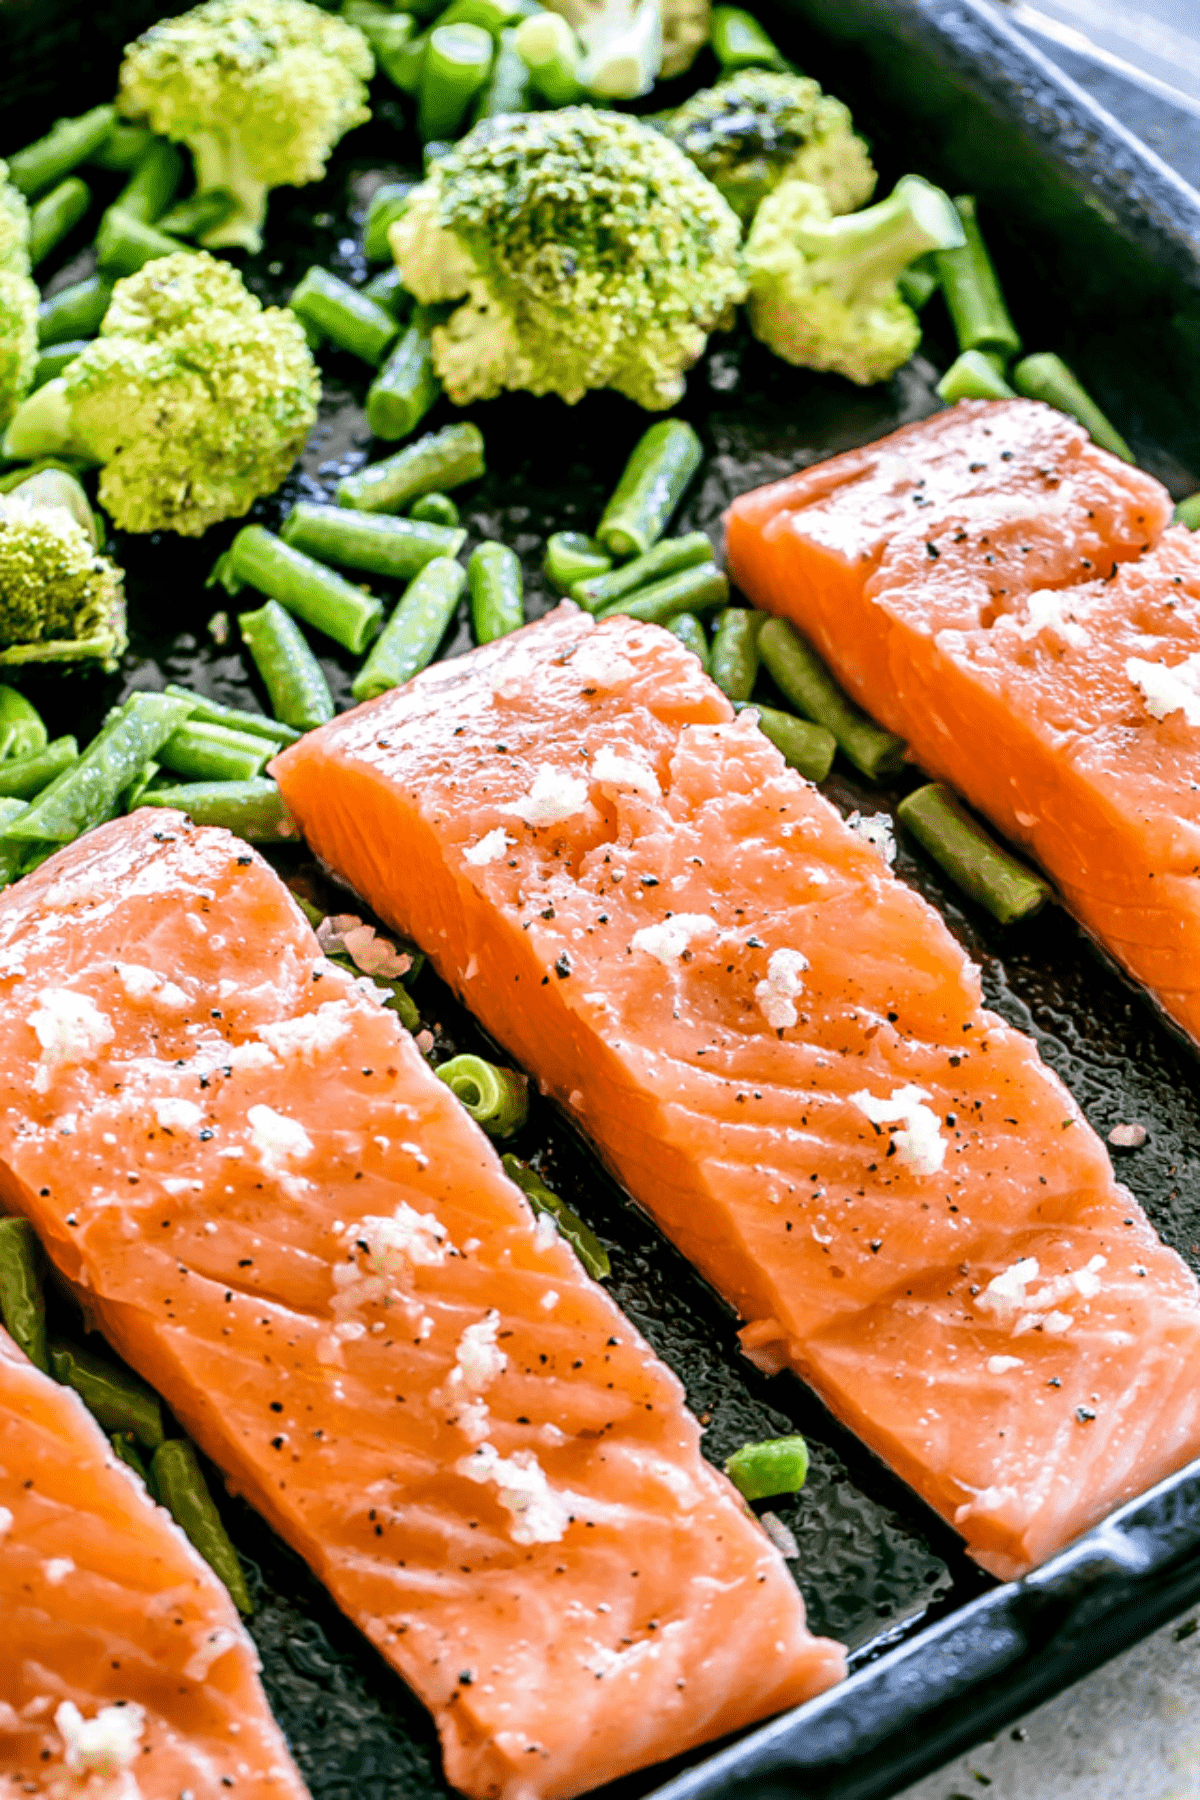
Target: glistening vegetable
{"points": [[439, 461], [651, 487], [114, 1396], [496, 1098], [585, 1243], [973, 296], [971, 857], [496, 583], [377, 542], [735, 651], [805, 747], [668, 557], [692, 590], [1047, 377], [292, 676], [407, 385], [806, 683], [22, 1304], [411, 636], [775, 1466], [319, 596], [572, 557], [182, 1489], [253, 810]]}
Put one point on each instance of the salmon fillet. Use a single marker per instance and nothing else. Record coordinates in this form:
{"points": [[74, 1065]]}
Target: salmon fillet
{"points": [[781, 1052], [124, 1658], [285, 1222], [1018, 626]]}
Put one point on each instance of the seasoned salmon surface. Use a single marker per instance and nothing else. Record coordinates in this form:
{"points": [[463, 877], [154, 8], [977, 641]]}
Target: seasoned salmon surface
{"points": [[1002, 594], [286, 1223], [125, 1669], [782, 1053]]}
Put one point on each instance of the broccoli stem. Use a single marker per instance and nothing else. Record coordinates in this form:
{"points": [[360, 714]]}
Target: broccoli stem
{"points": [[74, 312], [322, 599], [68, 143], [975, 375], [1047, 377], [377, 542], [457, 64], [253, 809], [692, 635], [292, 676], [42, 426], [652, 484], [667, 557], [407, 385], [497, 591], [221, 163], [344, 315], [856, 252], [435, 463], [388, 203], [411, 636], [973, 295], [55, 215], [551, 52], [739, 42]]}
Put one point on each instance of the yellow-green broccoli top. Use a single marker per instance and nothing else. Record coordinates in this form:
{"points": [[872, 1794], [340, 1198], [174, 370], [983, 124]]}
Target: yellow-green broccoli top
{"points": [[59, 597], [19, 299], [589, 251]]}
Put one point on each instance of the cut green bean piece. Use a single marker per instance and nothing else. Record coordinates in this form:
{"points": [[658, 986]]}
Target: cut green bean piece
{"points": [[180, 1485], [74, 312], [1047, 377], [735, 651], [494, 16], [652, 484], [141, 782], [112, 1394], [344, 315], [22, 1303], [126, 1451], [404, 68], [388, 290], [122, 150], [323, 599], [667, 557], [199, 213], [692, 590], [739, 42], [22, 731], [457, 62], [691, 633], [22, 777], [411, 636], [292, 676], [806, 684], [53, 361], [497, 591], [973, 296], [572, 557], [388, 203], [497, 1099], [509, 87], [777, 1466], [920, 281], [153, 184], [68, 143], [407, 385], [88, 791], [434, 509], [1188, 512], [585, 1243], [124, 245], [439, 461], [975, 375], [55, 215], [388, 33], [212, 712], [14, 855], [552, 54], [205, 752], [253, 809], [805, 747], [376, 542], [982, 868]]}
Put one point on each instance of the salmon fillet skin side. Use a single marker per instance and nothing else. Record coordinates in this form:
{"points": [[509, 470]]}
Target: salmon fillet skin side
{"points": [[1013, 602], [126, 1671], [285, 1222], [781, 1052]]}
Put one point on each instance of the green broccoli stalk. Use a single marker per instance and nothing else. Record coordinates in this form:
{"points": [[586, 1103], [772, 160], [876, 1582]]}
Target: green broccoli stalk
{"points": [[685, 27], [756, 128], [587, 249], [823, 290], [259, 90], [19, 299], [60, 599], [194, 399]]}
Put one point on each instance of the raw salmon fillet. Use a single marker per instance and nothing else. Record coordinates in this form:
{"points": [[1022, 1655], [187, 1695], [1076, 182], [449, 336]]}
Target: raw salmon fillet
{"points": [[109, 1614], [781, 1052], [1023, 626], [284, 1221]]}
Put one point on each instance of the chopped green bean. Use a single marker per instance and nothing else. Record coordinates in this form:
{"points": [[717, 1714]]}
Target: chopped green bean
{"points": [[388, 203], [212, 712], [387, 289], [457, 62], [497, 591], [112, 1394], [411, 636], [920, 281], [141, 782], [739, 42], [434, 509], [388, 33], [552, 54], [975, 375], [585, 1243], [292, 676], [323, 599], [153, 184], [404, 68], [253, 809], [53, 361], [68, 143], [982, 868], [572, 557], [691, 633], [735, 651], [806, 684], [805, 747], [182, 1489], [126, 1451], [1047, 377], [437, 462], [407, 385], [74, 312], [973, 296], [509, 87], [199, 213], [696, 590], [777, 1466], [494, 16], [22, 1303], [497, 1099], [344, 315], [124, 245], [203, 752], [22, 777], [22, 731], [87, 792], [14, 855], [122, 150], [1188, 512], [56, 215], [378, 542], [652, 484], [667, 557]]}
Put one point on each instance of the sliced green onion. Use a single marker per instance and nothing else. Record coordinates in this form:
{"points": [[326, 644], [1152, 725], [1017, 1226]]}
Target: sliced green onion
{"points": [[113, 1395], [497, 1099], [585, 1243]]}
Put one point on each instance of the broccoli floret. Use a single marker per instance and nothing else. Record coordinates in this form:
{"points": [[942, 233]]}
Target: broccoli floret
{"points": [[756, 129], [823, 290], [587, 249], [60, 599], [194, 398], [259, 90], [19, 299]]}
